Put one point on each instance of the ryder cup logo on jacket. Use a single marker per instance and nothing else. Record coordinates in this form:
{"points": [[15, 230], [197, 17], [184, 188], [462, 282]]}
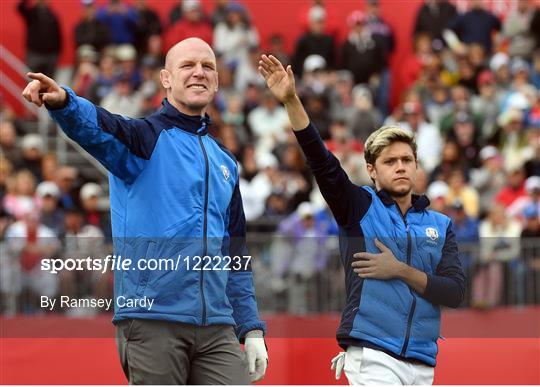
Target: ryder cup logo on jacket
{"points": [[432, 233], [225, 171]]}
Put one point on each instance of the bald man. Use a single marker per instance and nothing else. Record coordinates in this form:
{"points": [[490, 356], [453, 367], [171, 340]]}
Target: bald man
{"points": [[175, 201]]}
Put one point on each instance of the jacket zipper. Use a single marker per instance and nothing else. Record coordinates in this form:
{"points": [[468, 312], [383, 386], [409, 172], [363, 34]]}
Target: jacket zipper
{"points": [[205, 220], [413, 305]]}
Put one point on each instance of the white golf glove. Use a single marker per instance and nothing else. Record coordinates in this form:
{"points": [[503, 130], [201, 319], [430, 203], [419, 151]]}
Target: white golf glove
{"points": [[338, 363], [256, 354]]}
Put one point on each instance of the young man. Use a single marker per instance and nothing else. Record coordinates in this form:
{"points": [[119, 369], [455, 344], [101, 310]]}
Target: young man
{"points": [[401, 260], [174, 193]]}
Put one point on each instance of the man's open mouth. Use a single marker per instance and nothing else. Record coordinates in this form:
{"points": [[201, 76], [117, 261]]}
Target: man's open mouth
{"points": [[197, 86]]}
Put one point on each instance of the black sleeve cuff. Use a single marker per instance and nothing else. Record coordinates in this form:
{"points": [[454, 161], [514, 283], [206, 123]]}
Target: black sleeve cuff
{"points": [[307, 135], [443, 291]]}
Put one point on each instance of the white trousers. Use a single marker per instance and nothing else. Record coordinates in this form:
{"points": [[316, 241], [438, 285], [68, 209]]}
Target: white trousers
{"points": [[368, 366]]}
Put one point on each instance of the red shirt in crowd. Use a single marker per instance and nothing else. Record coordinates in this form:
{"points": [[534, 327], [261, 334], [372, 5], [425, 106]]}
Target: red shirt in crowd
{"points": [[186, 29], [508, 195], [355, 145]]}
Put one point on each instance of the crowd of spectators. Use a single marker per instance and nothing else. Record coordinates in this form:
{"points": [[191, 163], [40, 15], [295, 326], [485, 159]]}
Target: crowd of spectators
{"points": [[470, 94]]}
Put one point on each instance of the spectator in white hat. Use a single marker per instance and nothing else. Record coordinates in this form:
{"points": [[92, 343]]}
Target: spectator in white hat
{"points": [[437, 193], [51, 215], [532, 187], [86, 72], [126, 56], [499, 64], [32, 147], [489, 178], [520, 71], [315, 74], [366, 118], [512, 139], [91, 197], [314, 41]]}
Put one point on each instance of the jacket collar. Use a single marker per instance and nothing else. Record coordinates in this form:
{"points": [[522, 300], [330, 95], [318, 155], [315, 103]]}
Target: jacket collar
{"points": [[192, 124], [419, 202]]}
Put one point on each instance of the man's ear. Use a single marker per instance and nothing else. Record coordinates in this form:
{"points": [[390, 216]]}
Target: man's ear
{"points": [[217, 82], [371, 171], [165, 77]]}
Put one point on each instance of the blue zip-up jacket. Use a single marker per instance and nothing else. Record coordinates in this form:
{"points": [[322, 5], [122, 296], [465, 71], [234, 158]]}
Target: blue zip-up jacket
{"points": [[173, 192], [388, 315]]}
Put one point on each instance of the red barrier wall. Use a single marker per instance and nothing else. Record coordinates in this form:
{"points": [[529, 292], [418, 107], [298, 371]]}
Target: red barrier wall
{"points": [[270, 16], [506, 352]]}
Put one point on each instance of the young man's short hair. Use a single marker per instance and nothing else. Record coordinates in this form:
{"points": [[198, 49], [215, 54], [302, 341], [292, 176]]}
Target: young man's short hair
{"points": [[385, 136]]}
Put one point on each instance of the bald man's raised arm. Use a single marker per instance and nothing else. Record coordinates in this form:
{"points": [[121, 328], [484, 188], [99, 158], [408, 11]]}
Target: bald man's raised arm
{"points": [[121, 144]]}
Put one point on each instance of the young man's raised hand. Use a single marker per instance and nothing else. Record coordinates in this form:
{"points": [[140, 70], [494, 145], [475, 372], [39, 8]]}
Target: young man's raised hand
{"points": [[281, 84], [279, 81]]}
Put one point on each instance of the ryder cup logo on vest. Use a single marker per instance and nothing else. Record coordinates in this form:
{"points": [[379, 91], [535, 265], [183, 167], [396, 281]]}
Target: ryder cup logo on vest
{"points": [[225, 171], [432, 233]]}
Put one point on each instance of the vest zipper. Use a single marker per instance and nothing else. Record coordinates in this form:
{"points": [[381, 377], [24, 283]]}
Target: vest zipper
{"points": [[413, 305], [205, 220]]}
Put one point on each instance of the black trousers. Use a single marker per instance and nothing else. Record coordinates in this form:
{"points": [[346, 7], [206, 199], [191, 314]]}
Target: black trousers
{"points": [[162, 352]]}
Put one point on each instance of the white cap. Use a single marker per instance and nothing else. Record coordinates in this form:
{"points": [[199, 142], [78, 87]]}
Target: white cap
{"points": [[190, 5], [513, 164], [437, 189], [361, 90], [32, 141], [508, 116], [48, 188], [519, 65], [90, 189], [518, 101], [532, 184], [266, 160], [498, 60], [306, 209], [314, 62], [125, 52], [87, 52], [316, 13], [488, 152]]}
